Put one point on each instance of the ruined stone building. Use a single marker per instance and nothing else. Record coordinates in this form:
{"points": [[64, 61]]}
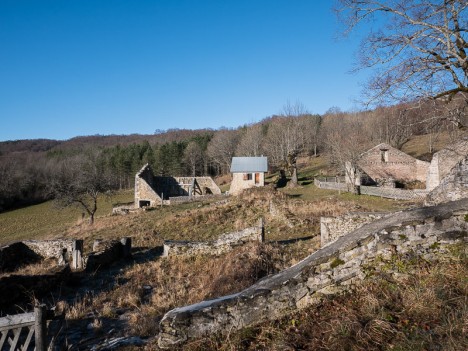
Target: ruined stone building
{"points": [[444, 161], [447, 177], [384, 165], [247, 172], [151, 190]]}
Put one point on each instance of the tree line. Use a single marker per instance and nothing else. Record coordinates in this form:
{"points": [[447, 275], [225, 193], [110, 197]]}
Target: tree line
{"points": [[30, 175]]}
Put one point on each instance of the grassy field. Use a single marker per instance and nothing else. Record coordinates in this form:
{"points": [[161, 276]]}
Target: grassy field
{"points": [[45, 220]]}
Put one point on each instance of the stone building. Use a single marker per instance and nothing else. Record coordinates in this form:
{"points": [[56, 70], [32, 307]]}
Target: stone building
{"points": [[384, 165], [444, 161], [151, 190], [447, 178], [247, 172]]}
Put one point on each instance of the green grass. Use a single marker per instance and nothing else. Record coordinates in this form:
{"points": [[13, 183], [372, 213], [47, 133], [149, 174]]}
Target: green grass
{"points": [[46, 220], [418, 146], [309, 193]]}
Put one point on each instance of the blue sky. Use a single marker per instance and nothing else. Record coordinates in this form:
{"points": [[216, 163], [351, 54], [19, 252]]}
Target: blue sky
{"points": [[84, 67]]}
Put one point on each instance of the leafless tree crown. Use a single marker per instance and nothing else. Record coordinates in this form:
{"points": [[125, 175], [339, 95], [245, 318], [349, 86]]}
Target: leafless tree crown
{"points": [[418, 47]]}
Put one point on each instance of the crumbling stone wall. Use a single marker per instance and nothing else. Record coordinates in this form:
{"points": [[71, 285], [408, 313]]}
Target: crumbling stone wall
{"points": [[384, 162], [27, 252], [151, 190], [330, 270], [145, 194], [444, 161], [453, 186], [107, 252], [331, 228], [208, 186], [16, 255], [223, 244], [51, 248]]}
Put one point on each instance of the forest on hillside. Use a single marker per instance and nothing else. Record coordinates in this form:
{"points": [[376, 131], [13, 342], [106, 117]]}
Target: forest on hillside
{"points": [[32, 170]]}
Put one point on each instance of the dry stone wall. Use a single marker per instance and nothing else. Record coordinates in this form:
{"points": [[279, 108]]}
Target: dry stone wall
{"points": [[223, 244], [65, 251], [51, 248], [331, 228], [444, 161], [106, 252], [330, 270], [454, 186], [16, 255]]}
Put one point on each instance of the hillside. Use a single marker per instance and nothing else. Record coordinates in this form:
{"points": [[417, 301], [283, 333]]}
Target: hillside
{"points": [[130, 298]]}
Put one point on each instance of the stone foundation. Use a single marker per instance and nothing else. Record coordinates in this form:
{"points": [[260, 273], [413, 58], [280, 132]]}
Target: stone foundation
{"points": [[107, 252], [51, 248], [223, 244]]}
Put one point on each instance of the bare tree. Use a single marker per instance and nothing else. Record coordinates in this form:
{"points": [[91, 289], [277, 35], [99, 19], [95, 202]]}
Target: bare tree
{"points": [[418, 50], [250, 143], [288, 135], [79, 182], [193, 157], [346, 141], [222, 148]]}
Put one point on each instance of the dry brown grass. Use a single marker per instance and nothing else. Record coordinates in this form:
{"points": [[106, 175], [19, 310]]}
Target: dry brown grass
{"points": [[150, 289], [428, 310], [34, 269]]}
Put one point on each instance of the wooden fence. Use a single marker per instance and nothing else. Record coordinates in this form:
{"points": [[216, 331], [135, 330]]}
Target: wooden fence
{"points": [[17, 331]]}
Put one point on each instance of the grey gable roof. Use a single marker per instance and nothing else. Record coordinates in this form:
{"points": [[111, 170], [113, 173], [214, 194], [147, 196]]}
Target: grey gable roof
{"points": [[249, 164]]}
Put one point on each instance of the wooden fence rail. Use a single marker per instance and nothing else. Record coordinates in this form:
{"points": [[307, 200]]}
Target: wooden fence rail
{"points": [[17, 331]]}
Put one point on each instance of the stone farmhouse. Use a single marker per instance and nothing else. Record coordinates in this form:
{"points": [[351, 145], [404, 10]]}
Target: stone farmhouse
{"points": [[384, 165], [151, 190], [247, 172]]}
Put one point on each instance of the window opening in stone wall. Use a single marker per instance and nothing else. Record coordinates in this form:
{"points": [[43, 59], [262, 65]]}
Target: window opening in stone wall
{"points": [[384, 155], [247, 176], [144, 203]]}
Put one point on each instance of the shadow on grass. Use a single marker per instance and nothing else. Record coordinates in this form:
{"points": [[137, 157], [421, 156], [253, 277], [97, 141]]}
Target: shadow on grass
{"points": [[291, 241]]}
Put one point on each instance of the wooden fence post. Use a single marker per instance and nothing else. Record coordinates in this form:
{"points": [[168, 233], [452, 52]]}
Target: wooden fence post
{"points": [[40, 328]]}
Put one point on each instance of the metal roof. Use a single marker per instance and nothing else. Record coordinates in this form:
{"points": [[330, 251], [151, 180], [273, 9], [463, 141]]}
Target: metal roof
{"points": [[249, 164]]}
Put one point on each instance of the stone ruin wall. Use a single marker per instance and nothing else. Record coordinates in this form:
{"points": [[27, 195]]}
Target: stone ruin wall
{"points": [[153, 188], [32, 251], [331, 228], [444, 161], [223, 244], [454, 186], [26, 252], [208, 183], [144, 188], [107, 252], [421, 232], [51, 248]]}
